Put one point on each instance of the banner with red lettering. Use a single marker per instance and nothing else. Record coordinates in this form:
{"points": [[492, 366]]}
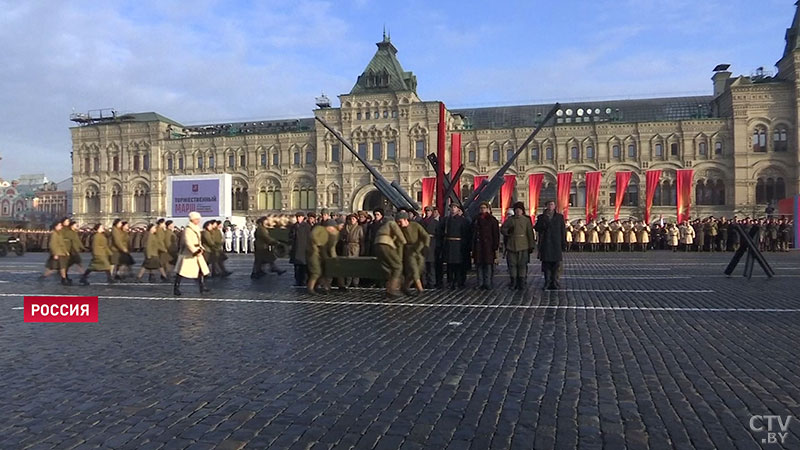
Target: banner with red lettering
{"points": [[653, 178], [623, 179], [428, 188], [506, 194], [455, 160], [592, 193], [534, 188], [441, 144], [564, 183], [684, 185]]}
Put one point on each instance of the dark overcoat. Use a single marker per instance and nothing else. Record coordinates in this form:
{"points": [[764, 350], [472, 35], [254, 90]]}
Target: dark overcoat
{"points": [[300, 236], [486, 239], [552, 237]]}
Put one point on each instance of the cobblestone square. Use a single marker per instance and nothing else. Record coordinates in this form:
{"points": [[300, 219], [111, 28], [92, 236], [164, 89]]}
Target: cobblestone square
{"points": [[638, 350]]}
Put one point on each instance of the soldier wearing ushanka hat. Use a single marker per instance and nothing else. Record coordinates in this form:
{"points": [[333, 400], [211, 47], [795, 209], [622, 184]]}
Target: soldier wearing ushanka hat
{"points": [[520, 242]]}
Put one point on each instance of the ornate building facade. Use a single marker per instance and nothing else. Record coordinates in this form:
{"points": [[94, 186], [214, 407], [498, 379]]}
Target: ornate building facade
{"points": [[741, 142]]}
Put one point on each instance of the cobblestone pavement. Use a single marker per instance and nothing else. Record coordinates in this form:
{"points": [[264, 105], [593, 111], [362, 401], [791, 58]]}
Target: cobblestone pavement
{"points": [[638, 350]]}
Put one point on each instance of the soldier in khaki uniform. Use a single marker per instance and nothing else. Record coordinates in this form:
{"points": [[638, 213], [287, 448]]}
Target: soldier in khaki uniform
{"points": [[389, 243], [579, 234], [59, 255], [643, 235], [101, 256], [73, 241], [353, 242], [605, 234], [321, 246], [592, 235], [520, 242], [417, 242]]}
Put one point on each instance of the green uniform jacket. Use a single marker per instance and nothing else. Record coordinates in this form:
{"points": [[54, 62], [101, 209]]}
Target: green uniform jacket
{"points": [[518, 232], [153, 247], [58, 245], [101, 253], [322, 247], [119, 241], [72, 240], [417, 242], [208, 243]]}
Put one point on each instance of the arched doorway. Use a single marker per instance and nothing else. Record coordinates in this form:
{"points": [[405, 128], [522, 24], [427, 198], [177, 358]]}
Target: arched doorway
{"points": [[375, 199]]}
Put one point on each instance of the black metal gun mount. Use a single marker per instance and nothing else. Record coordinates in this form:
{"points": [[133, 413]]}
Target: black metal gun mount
{"points": [[753, 253], [396, 195], [489, 189]]}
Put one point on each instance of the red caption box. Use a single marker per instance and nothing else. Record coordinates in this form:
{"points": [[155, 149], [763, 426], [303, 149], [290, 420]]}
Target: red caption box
{"points": [[60, 309]]}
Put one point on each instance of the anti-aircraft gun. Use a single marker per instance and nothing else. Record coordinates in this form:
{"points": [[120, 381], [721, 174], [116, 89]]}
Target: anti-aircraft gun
{"points": [[488, 189], [395, 193]]}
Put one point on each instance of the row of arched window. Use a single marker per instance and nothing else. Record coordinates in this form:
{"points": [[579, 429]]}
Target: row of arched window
{"points": [[780, 139]]}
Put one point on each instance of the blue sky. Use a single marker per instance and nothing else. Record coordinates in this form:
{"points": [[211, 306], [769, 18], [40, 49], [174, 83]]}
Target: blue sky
{"points": [[205, 61]]}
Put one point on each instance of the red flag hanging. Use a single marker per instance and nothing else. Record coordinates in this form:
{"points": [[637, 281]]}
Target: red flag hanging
{"points": [[441, 144], [564, 184], [506, 193], [428, 187], [684, 185], [534, 188], [478, 179], [455, 160], [623, 178], [653, 178], [592, 194]]}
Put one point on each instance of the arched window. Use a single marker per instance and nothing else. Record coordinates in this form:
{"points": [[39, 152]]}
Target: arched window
{"points": [[781, 140], [495, 155], [615, 151], [92, 201], [760, 139], [335, 156], [263, 160], [632, 194], [243, 160], [509, 154], [573, 153], [590, 152], [269, 197], [304, 197], [309, 157], [548, 153], [116, 199], [702, 150], [141, 199], [761, 191], [240, 202], [657, 195], [780, 189], [296, 159], [717, 148], [471, 156], [700, 192], [231, 161], [659, 150], [535, 154], [770, 190], [718, 197], [211, 162], [631, 150]]}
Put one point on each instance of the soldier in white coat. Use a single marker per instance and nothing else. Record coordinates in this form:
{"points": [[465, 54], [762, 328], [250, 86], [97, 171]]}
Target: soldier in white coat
{"points": [[228, 239], [242, 239], [235, 238]]}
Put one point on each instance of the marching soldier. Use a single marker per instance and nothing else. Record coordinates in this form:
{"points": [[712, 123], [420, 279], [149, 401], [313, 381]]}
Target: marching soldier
{"points": [[605, 234], [101, 256], [69, 231], [172, 243], [485, 244], [552, 232], [263, 251], [417, 242], [59, 255], [191, 263], [722, 235], [388, 247], [433, 275], [322, 246], [300, 236], [152, 254], [520, 242]]}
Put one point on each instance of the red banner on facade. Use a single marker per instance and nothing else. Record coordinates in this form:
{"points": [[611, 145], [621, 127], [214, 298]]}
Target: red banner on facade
{"points": [[592, 193], [534, 189], [684, 185], [623, 179], [506, 194], [653, 178], [441, 143], [455, 160], [564, 183], [428, 187], [478, 179]]}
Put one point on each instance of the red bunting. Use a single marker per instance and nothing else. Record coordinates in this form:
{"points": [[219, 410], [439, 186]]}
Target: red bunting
{"points": [[653, 178], [564, 183], [684, 185], [623, 179], [534, 188], [428, 187], [592, 194], [506, 193]]}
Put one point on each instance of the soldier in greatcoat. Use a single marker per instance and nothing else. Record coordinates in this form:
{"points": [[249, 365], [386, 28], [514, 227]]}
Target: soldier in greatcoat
{"points": [[300, 236], [520, 242], [551, 229], [264, 253], [321, 247], [388, 247], [431, 225], [417, 242], [353, 237], [485, 244], [59, 255], [101, 256], [455, 246]]}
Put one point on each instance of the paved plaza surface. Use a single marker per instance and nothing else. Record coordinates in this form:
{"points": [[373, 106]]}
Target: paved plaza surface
{"points": [[637, 350]]}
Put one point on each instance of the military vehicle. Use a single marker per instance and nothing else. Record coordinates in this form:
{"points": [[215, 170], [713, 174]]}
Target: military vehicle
{"points": [[10, 244]]}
